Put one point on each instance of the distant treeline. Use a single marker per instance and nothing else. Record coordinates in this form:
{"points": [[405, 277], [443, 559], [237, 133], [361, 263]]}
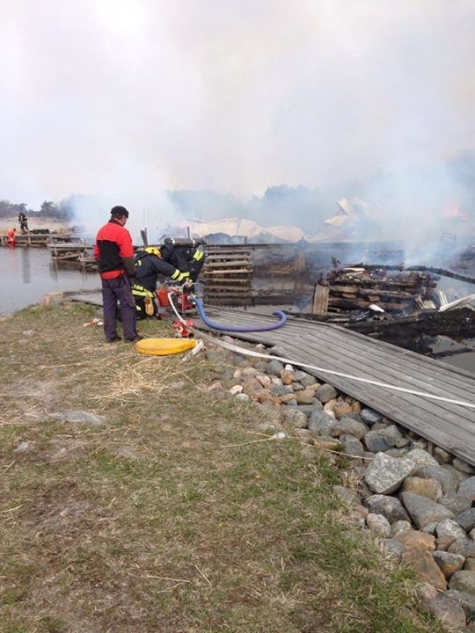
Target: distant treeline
{"points": [[279, 205], [61, 211], [425, 188]]}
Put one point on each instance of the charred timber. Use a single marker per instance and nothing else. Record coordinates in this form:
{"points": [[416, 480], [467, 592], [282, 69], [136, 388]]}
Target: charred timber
{"points": [[445, 273]]}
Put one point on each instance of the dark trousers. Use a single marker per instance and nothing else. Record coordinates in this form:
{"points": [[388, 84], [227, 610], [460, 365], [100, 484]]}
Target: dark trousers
{"points": [[113, 291]]}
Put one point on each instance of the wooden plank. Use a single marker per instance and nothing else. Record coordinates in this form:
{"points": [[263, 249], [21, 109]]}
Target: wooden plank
{"points": [[228, 271], [210, 265], [227, 257], [320, 299], [226, 282]]}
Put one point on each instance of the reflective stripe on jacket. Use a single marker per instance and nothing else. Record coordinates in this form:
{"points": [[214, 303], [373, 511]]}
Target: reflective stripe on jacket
{"points": [[148, 267]]}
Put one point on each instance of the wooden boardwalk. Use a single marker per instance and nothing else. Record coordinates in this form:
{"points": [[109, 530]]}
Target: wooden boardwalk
{"points": [[330, 347]]}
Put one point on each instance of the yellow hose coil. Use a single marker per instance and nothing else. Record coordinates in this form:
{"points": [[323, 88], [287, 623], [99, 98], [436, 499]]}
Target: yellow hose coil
{"points": [[164, 346]]}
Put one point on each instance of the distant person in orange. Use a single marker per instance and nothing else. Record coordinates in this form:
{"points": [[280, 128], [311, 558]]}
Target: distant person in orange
{"points": [[11, 237]]}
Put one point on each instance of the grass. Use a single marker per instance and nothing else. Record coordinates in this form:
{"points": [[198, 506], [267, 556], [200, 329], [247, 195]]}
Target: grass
{"points": [[176, 514]]}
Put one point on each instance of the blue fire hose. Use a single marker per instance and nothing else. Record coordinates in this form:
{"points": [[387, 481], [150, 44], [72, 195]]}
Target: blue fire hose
{"points": [[235, 328]]}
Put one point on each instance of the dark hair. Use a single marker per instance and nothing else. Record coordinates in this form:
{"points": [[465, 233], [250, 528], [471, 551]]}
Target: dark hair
{"points": [[119, 211]]}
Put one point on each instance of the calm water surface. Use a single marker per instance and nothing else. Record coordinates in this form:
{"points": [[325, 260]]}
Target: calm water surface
{"points": [[27, 274]]}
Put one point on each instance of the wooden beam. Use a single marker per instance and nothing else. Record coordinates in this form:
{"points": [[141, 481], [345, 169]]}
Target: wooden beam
{"points": [[320, 299]]}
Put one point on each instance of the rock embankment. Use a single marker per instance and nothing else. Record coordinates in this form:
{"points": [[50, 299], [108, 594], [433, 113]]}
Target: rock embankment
{"points": [[415, 498]]}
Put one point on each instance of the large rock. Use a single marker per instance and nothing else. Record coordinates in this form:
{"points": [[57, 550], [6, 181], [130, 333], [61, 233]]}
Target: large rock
{"points": [[466, 519], [412, 539], [456, 474], [377, 443], [392, 548], [306, 397], [295, 418], [463, 466], [346, 495], [448, 611], [465, 600], [389, 507], [251, 386], [399, 527], [352, 445], [325, 393], [467, 488], [371, 417], [79, 417], [281, 390], [426, 487], [455, 502], [463, 581], [349, 426], [385, 474], [274, 368], [464, 547], [445, 477], [421, 457], [449, 563], [378, 525], [320, 422], [449, 527], [423, 510], [425, 567]]}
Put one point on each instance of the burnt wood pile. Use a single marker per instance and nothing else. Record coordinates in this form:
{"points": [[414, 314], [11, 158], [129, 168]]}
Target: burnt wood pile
{"points": [[358, 288], [311, 279]]}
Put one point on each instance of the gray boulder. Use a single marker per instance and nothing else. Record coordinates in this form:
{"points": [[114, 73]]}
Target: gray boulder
{"points": [[389, 507], [423, 510], [385, 474]]}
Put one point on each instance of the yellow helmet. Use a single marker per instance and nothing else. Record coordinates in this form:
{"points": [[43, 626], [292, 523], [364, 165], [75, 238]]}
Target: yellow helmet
{"points": [[153, 250]]}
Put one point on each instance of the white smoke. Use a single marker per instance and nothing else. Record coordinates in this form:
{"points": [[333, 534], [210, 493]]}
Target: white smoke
{"points": [[151, 95]]}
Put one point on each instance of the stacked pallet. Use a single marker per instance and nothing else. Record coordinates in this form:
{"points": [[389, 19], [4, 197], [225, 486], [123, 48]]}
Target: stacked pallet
{"points": [[360, 288], [227, 275]]}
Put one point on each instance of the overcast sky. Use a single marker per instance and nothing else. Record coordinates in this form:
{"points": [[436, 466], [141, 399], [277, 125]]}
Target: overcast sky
{"points": [[120, 96]]}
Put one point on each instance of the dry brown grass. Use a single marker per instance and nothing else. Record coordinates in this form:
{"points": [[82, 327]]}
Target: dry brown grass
{"points": [[176, 514]]}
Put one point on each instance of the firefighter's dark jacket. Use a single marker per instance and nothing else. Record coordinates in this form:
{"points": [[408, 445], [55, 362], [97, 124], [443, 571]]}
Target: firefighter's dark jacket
{"points": [[148, 267], [185, 258], [114, 251]]}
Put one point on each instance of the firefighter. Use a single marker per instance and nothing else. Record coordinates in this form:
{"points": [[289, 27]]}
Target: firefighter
{"points": [[22, 220], [11, 234], [149, 264], [114, 253], [185, 255]]}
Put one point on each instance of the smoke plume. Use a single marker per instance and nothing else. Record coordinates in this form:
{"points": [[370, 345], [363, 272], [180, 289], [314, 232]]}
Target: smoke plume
{"points": [[133, 98]]}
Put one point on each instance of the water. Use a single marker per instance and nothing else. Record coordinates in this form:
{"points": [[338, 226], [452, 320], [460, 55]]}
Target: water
{"points": [[28, 274]]}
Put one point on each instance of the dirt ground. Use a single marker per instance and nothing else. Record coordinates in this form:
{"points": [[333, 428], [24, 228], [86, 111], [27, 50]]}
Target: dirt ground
{"points": [[133, 499]]}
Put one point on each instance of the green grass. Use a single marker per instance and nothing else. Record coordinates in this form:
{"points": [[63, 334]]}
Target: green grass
{"points": [[176, 514]]}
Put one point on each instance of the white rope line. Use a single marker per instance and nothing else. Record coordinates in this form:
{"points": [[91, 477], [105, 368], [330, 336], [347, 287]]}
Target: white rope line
{"points": [[248, 352]]}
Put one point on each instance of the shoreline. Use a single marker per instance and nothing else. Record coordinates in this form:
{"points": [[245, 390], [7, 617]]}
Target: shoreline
{"points": [[52, 224]]}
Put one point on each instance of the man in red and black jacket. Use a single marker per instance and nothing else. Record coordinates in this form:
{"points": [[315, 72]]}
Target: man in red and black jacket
{"points": [[114, 253]]}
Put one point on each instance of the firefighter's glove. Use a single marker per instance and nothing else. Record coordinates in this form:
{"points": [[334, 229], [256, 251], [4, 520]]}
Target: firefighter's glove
{"points": [[180, 277]]}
